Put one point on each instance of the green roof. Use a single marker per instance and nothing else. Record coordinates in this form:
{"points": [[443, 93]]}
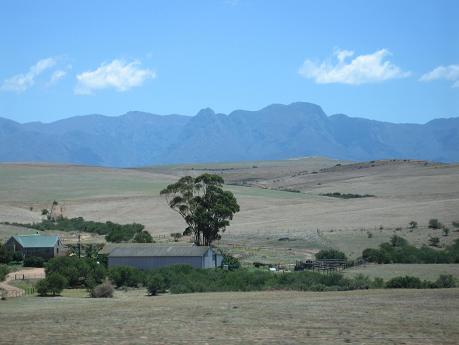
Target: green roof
{"points": [[36, 241]]}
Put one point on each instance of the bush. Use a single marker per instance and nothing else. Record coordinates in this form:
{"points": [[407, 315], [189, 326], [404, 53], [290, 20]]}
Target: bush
{"points": [[77, 271], [4, 270], [33, 261], [113, 232], [17, 256], [406, 282], [402, 252], [434, 224], [330, 254], [413, 224], [143, 237], [126, 276], [53, 284], [155, 284], [232, 262], [445, 281], [6, 256], [104, 290]]}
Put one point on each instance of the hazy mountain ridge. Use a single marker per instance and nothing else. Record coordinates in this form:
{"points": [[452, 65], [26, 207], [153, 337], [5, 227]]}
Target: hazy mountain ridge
{"points": [[274, 132]]}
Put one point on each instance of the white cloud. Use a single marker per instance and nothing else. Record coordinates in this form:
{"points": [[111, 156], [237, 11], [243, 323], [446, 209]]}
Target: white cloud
{"points": [[361, 69], [58, 75], [23, 81], [450, 73], [118, 74]]}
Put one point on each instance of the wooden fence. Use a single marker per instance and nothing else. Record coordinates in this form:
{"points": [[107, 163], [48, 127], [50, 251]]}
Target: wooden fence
{"points": [[327, 265]]}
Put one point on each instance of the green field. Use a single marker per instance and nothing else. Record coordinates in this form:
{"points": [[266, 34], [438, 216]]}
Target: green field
{"points": [[380, 317]]}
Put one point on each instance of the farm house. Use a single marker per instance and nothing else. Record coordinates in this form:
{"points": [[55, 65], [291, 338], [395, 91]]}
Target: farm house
{"points": [[37, 245], [152, 256]]}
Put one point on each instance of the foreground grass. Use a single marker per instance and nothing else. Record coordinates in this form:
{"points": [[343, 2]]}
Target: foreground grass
{"points": [[275, 317]]}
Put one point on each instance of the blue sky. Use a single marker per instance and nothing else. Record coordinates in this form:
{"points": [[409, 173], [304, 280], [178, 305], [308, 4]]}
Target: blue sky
{"points": [[393, 61]]}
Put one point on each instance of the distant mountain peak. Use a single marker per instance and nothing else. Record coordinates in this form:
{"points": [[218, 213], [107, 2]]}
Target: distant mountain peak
{"points": [[206, 112]]}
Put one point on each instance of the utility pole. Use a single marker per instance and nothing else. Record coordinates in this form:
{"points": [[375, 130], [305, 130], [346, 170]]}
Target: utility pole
{"points": [[79, 244]]}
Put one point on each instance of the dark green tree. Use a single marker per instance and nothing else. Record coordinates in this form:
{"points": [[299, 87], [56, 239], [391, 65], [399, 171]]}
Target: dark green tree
{"points": [[203, 204]]}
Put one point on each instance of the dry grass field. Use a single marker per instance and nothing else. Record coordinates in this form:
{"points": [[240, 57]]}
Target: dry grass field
{"points": [[380, 317], [404, 191]]}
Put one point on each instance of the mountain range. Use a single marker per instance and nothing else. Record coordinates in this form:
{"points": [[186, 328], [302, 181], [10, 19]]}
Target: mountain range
{"points": [[274, 132]]}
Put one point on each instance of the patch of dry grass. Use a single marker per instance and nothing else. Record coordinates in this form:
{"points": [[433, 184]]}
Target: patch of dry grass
{"points": [[357, 317]]}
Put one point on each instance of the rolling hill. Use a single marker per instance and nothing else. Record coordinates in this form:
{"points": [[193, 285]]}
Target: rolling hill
{"points": [[274, 132]]}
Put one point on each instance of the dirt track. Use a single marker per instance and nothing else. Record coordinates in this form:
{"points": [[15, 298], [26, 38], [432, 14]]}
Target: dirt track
{"points": [[28, 273]]}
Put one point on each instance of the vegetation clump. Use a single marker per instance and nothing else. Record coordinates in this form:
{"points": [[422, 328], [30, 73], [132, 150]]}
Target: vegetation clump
{"points": [[398, 250], [347, 195], [435, 224], [113, 232], [33, 261], [77, 271], [328, 254], [53, 284], [4, 270], [104, 290]]}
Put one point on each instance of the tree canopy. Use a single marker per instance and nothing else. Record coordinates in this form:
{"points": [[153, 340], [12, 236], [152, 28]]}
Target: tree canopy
{"points": [[203, 204]]}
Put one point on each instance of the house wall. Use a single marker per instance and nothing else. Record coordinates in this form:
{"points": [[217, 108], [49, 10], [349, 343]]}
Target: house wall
{"points": [[13, 245], [43, 252], [155, 262]]}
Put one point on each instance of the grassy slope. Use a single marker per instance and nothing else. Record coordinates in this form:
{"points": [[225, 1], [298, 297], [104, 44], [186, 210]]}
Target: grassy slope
{"points": [[404, 191], [357, 317]]}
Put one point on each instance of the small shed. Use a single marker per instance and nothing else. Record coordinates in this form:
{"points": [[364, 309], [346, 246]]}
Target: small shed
{"points": [[154, 256], [36, 245]]}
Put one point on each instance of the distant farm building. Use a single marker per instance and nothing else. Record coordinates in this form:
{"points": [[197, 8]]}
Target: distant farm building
{"points": [[37, 245], [154, 256]]}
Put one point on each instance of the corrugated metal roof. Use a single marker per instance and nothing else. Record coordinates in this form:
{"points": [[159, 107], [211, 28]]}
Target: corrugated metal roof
{"points": [[36, 241], [153, 250], [108, 247]]}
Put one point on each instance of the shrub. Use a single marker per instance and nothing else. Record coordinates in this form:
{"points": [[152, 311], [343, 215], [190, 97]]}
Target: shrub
{"points": [[455, 224], [53, 284], [397, 241], [6, 255], [434, 224], [406, 282], [413, 224], [77, 271], [445, 231], [4, 270], [232, 262], [33, 261], [104, 290], [445, 281], [126, 276], [143, 237], [330, 254], [176, 236], [155, 284], [405, 253], [17, 256]]}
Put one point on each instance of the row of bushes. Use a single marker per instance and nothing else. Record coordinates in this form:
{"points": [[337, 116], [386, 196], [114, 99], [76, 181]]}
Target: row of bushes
{"points": [[113, 232], [398, 250], [347, 195]]}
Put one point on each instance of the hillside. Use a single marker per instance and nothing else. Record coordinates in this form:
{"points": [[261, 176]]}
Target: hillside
{"points": [[279, 199], [274, 132]]}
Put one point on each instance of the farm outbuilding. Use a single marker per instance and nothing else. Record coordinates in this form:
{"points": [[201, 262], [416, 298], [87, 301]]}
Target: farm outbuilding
{"points": [[36, 245], [154, 256]]}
